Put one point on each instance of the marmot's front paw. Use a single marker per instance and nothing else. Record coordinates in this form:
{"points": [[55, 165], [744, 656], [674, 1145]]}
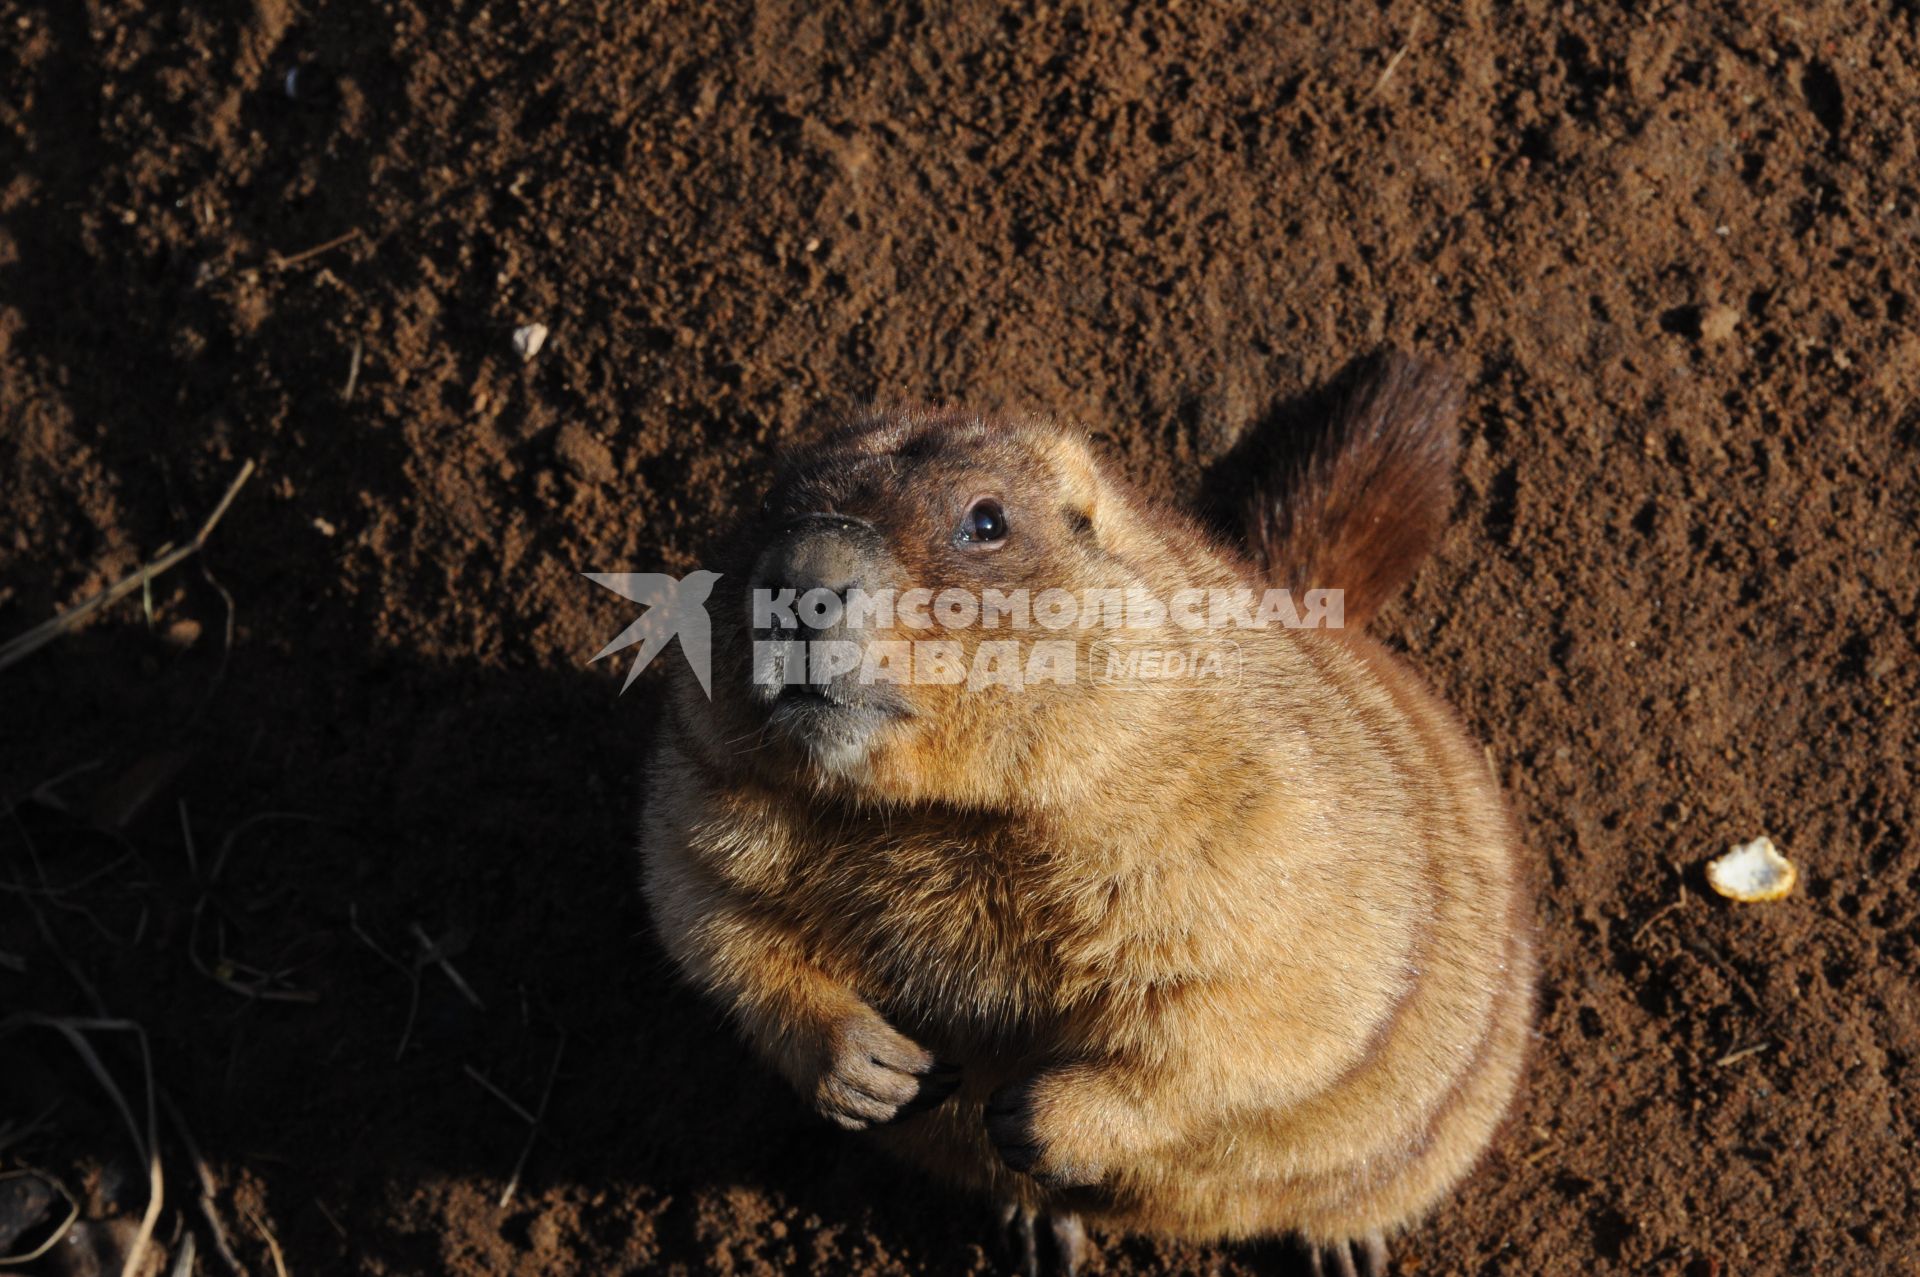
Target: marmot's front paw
{"points": [[872, 1074], [1021, 1123]]}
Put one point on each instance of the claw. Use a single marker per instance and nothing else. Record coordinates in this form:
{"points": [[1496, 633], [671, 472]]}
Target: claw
{"points": [[1069, 1243], [1372, 1250], [1026, 1242], [1024, 1234]]}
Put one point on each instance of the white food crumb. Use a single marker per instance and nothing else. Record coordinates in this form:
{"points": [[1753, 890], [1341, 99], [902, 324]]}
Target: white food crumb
{"points": [[1752, 872]]}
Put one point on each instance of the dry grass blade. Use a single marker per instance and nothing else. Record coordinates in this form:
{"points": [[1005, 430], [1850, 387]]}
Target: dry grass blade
{"points": [[431, 952], [265, 986], [412, 973], [1661, 912], [183, 1260], [148, 1145], [208, 1189], [281, 262], [273, 1243], [1393, 63], [186, 833], [10, 1134], [44, 793], [49, 891], [25, 645], [1744, 1053], [47, 936], [338, 1228], [73, 1213], [539, 1118], [534, 1120], [518, 1110]]}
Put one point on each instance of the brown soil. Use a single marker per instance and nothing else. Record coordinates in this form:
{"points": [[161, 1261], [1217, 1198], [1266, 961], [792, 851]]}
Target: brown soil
{"points": [[1675, 256]]}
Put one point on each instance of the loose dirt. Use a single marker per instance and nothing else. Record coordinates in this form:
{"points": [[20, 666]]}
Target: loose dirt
{"points": [[1674, 255]]}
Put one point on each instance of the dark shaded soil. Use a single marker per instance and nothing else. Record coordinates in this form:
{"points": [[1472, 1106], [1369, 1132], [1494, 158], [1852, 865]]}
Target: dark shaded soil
{"points": [[1675, 255]]}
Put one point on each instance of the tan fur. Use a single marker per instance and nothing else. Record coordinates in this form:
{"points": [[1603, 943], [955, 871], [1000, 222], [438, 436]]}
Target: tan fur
{"points": [[1246, 963]]}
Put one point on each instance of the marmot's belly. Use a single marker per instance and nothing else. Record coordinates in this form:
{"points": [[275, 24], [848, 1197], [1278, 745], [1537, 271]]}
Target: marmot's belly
{"points": [[1368, 1156], [1373, 1152], [960, 961]]}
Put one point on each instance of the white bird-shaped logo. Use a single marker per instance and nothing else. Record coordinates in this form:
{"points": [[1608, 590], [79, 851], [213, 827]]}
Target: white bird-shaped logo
{"points": [[675, 607]]}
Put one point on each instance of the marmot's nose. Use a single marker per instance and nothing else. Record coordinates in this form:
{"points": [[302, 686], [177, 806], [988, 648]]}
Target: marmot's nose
{"points": [[833, 552]]}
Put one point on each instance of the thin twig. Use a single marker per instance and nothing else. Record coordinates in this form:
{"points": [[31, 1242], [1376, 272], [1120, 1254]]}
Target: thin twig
{"points": [[208, 1188], [73, 1213], [329, 1217], [499, 1094], [51, 892], [226, 645], [412, 973], [273, 1243], [146, 595], [1661, 912], [1740, 1055], [185, 1257], [432, 953], [262, 988], [43, 792], [281, 263], [1393, 63], [353, 369], [539, 1117], [54, 1239], [40, 920], [1702, 946], [10, 1136], [19, 648], [75, 1031], [534, 1120], [186, 832]]}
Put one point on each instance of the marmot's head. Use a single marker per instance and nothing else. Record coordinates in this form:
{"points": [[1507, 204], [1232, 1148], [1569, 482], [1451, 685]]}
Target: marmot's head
{"points": [[906, 616]]}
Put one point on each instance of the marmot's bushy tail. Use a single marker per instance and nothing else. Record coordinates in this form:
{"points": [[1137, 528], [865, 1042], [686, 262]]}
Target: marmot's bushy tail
{"points": [[1369, 501]]}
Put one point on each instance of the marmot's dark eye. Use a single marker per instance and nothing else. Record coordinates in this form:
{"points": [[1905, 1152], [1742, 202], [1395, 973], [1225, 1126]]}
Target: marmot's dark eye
{"points": [[985, 523]]}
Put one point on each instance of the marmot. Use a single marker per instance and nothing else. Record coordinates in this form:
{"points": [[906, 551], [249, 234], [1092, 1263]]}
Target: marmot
{"points": [[1210, 960]]}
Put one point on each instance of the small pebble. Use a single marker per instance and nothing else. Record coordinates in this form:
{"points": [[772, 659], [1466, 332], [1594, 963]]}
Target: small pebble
{"points": [[1718, 323], [589, 459], [527, 341], [309, 84]]}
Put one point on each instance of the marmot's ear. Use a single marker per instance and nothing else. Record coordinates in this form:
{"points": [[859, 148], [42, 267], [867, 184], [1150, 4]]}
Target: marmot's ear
{"points": [[1084, 490]]}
